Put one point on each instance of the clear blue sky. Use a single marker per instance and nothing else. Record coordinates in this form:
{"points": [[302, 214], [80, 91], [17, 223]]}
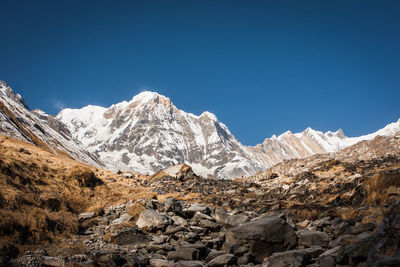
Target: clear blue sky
{"points": [[263, 67]]}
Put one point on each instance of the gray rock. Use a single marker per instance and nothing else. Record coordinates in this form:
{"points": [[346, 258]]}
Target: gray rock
{"points": [[265, 235], [151, 220], [198, 207], [327, 261], [183, 254], [221, 216], [123, 219], [213, 254], [87, 215], [53, 261], [292, 258], [246, 258], [179, 220], [311, 238], [172, 205], [342, 241], [161, 263], [129, 236], [190, 264], [208, 224], [223, 260]]}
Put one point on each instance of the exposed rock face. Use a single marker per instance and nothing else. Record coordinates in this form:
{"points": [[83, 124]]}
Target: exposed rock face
{"points": [[37, 127], [266, 235]]}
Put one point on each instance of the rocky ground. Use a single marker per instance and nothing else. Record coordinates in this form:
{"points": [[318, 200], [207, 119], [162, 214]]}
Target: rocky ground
{"points": [[324, 211]]}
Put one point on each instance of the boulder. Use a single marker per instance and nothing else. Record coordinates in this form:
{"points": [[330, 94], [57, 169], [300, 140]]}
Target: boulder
{"points": [[294, 258], [87, 215], [266, 235], [161, 263], [223, 260], [129, 236], [172, 205], [198, 207], [184, 254], [123, 219], [311, 238], [221, 216], [246, 258], [151, 220], [190, 264], [213, 254], [179, 220]]}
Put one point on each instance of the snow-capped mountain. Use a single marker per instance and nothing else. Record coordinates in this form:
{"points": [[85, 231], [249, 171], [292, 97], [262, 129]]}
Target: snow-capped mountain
{"points": [[37, 127], [309, 142], [149, 133]]}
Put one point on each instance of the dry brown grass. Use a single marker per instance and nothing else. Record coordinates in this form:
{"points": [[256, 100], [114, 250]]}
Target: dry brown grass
{"points": [[41, 193], [135, 210], [381, 186]]}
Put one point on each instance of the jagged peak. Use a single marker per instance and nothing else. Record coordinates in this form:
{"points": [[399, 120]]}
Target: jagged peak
{"points": [[3, 84], [340, 133], [146, 96], [209, 115], [287, 133]]}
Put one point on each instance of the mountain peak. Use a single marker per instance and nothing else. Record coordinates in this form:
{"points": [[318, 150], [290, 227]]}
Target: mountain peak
{"points": [[146, 96], [209, 115]]}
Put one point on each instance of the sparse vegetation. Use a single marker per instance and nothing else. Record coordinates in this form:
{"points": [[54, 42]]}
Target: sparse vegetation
{"points": [[42, 194]]}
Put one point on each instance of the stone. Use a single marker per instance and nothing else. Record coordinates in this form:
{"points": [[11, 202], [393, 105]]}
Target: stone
{"points": [[161, 263], [184, 254], [302, 225], [53, 261], [311, 238], [322, 222], [129, 236], [266, 235], [327, 261], [151, 220], [246, 258], [198, 207], [174, 229], [342, 241], [221, 216], [172, 205], [179, 220], [209, 224], [213, 254], [87, 215], [358, 252], [190, 264], [291, 258], [223, 260], [122, 219]]}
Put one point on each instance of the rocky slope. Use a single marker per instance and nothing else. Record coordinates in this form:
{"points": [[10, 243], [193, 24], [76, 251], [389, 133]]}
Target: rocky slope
{"points": [[325, 212], [37, 127], [149, 133]]}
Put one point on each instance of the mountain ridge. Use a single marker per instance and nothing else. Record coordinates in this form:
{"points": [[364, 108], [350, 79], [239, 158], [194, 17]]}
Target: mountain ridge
{"points": [[149, 133], [249, 159]]}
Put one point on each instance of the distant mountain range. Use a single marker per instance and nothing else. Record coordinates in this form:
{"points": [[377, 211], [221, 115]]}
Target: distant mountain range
{"points": [[150, 133]]}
